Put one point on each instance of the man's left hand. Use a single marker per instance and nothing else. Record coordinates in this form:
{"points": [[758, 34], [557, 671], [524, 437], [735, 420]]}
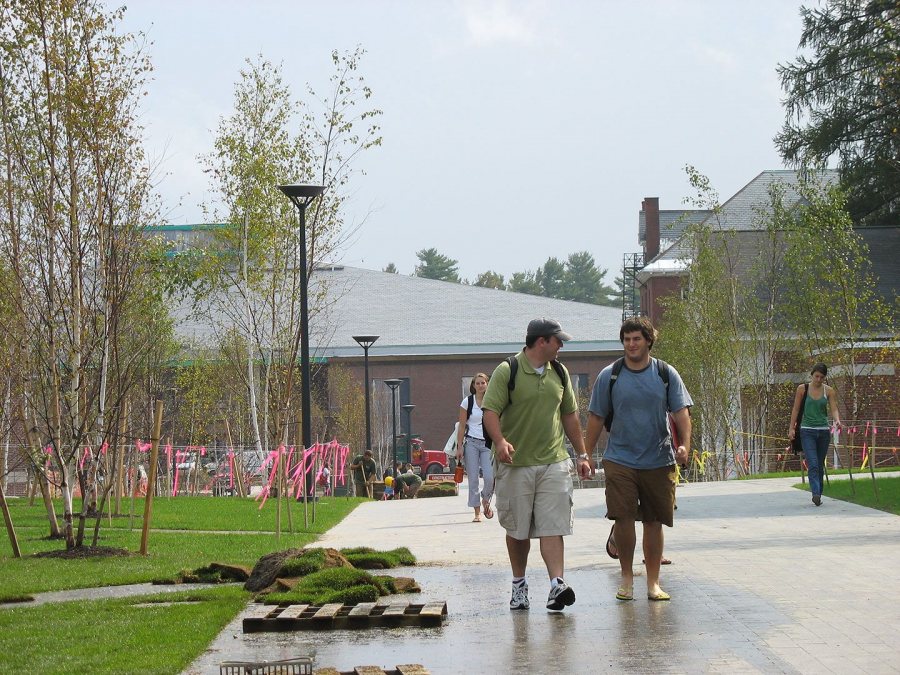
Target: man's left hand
{"points": [[681, 455]]}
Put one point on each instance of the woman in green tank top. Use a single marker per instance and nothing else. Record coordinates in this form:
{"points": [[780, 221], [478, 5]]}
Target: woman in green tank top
{"points": [[812, 403]]}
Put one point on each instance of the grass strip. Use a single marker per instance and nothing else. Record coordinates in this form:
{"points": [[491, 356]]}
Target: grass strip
{"points": [[116, 636], [170, 552], [831, 471], [220, 514], [888, 492]]}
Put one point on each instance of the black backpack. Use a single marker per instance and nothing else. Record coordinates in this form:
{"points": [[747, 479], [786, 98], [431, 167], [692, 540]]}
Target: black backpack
{"points": [[513, 369], [661, 367]]}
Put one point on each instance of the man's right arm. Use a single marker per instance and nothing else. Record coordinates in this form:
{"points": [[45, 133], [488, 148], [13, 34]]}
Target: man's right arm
{"points": [[502, 447]]}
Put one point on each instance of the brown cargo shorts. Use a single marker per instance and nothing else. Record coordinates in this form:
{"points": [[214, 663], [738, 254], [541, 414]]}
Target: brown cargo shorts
{"points": [[647, 495]]}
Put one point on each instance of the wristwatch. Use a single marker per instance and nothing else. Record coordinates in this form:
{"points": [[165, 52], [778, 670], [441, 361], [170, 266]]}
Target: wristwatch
{"points": [[584, 456]]}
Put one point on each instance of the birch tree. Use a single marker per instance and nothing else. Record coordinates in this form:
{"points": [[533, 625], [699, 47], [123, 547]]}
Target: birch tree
{"points": [[255, 276], [76, 199]]}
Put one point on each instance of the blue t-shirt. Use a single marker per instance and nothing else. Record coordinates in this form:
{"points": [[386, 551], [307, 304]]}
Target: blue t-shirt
{"points": [[639, 437]]}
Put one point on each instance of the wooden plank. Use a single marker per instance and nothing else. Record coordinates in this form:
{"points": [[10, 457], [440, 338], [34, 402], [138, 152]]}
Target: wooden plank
{"points": [[368, 670], [396, 610], [328, 612], [434, 609], [260, 611], [412, 669], [362, 611], [292, 612]]}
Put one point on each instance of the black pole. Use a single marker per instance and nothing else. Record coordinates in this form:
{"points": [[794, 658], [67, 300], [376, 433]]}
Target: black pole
{"points": [[368, 404], [305, 397], [408, 408], [301, 195], [394, 416]]}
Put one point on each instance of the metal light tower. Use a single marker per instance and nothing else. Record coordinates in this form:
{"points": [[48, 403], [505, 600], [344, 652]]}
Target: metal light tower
{"points": [[366, 341], [393, 384], [408, 407], [302, 196]]}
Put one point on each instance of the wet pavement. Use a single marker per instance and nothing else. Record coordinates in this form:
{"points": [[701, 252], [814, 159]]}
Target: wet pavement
{"points": [[762, 581]]}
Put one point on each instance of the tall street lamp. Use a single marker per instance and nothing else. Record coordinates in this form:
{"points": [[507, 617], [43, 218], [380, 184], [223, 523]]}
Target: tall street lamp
{"points": [[366, 341], [302, 196], [393, 383], [408, 407]]}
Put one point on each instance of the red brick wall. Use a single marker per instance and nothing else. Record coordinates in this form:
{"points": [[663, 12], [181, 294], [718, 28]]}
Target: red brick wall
{"points": [[436, 384], [652, 291]]}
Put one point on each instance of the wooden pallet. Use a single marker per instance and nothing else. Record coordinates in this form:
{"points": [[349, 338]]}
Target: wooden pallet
{"points": [[405, 669], [274, 618]]}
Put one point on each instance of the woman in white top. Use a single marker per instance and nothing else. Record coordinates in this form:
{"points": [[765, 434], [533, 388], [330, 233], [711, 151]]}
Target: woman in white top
{"points": [[470, 443]]}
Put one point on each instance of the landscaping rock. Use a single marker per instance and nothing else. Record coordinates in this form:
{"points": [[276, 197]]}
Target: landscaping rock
{"points": [[267, 568]]}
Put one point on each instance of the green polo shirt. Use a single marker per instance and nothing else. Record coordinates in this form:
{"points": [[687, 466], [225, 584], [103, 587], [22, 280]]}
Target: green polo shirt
{"points": [[532, 422]]}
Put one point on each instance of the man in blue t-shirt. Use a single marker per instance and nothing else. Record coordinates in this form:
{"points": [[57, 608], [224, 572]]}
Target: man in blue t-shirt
{"points": [[639, 461]]}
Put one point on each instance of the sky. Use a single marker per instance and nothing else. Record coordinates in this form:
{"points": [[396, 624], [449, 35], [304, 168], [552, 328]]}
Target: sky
{"points": [[513, 131]]}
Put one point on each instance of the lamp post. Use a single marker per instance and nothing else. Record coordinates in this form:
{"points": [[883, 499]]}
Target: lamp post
{"points": [[408, 408], [366, 341], [393, 383], [301, 196]]}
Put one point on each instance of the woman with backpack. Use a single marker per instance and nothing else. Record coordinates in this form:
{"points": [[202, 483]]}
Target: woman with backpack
{"points": [[471, 449], [809, 418]]}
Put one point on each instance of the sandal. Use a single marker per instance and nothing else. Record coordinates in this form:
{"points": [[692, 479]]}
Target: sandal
{"points": [[611, 543], [476, 519], [625, 593], [487, 510], [661, 596]]}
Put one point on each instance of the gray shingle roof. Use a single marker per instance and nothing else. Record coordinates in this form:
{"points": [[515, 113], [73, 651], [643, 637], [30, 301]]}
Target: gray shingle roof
{"points": [[424, 316], [671, 224], [745, 211]]}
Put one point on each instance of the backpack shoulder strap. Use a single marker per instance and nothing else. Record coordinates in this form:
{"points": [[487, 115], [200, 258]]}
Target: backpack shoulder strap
{"points": [[616, 369], [663, 369], [513, 369], [470, 406], [613, 376], [561, 372]]}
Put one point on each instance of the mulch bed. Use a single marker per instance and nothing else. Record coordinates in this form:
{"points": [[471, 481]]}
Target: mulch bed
{"points": [[84, 552]]}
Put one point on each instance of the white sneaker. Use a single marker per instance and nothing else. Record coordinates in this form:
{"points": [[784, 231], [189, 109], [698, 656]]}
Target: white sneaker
{"points": [[560, 596], [519, 599]]}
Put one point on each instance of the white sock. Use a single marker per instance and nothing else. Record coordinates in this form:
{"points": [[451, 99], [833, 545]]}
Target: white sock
{"points": [[519, 581], [554, 582]]}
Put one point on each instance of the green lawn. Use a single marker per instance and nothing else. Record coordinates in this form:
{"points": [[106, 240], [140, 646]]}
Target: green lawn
{"points": [[833, 472], [888, 492], [116, 636], [170, 551], [225, 514]]}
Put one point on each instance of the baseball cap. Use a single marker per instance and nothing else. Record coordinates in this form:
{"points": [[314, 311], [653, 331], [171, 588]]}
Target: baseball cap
{"points": [[545, 327]]}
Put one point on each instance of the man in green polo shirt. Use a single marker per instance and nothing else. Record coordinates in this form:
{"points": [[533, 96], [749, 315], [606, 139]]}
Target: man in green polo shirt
{"points": [[528, 425]]}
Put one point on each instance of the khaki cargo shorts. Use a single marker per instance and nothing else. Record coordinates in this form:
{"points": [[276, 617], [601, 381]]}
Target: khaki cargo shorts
{"points": [[535, 501], [647, 495]]}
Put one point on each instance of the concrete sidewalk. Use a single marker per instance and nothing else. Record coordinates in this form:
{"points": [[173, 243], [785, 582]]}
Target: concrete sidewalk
{"points": [[762, 581]]}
